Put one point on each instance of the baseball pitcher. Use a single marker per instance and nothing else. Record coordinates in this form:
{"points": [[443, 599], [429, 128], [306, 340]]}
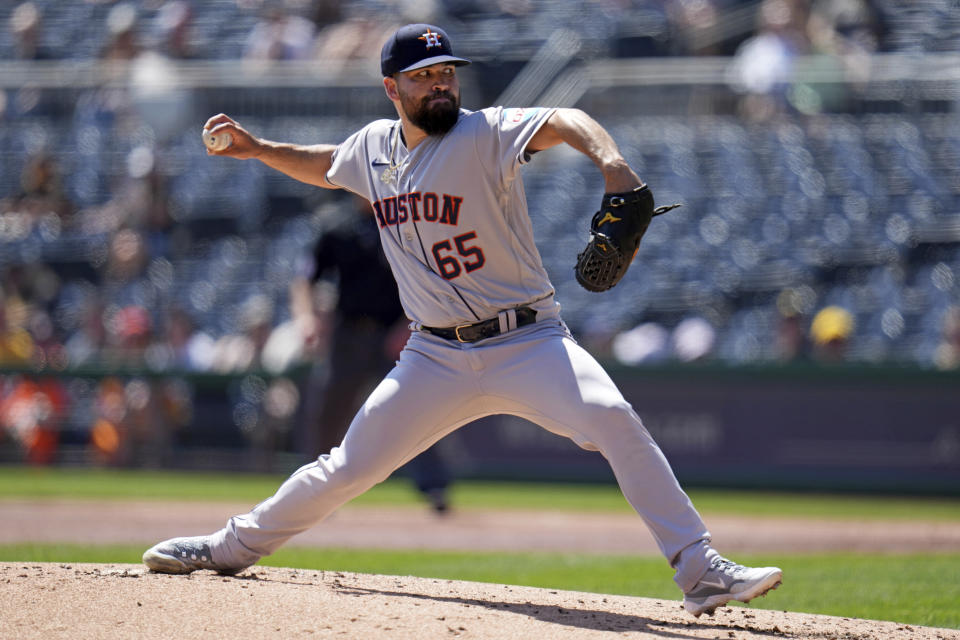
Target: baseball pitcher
{"points": [[487, 336]]}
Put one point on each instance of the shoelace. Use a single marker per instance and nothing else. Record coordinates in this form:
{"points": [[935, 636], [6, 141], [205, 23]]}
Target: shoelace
{"points": [[726, 566]]}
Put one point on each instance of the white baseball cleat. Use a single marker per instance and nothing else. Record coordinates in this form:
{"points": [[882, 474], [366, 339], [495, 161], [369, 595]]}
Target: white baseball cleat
{"points": [[725, 581], [184, 555]]}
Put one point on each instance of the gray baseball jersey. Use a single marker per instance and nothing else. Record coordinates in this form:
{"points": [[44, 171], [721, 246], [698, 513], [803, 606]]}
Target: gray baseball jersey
{"points": [[453, 214]]}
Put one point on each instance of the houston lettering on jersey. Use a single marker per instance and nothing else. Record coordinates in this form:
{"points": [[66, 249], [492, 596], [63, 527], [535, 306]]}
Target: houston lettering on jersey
{"points": [[452, 256], [417, 206]]}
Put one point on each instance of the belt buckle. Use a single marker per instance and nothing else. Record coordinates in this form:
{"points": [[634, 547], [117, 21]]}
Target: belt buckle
{"points": [[456, 332]]}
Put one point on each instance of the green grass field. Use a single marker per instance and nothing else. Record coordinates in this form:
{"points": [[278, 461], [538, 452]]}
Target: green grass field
{"points": [[108, 484], [911, 589]]}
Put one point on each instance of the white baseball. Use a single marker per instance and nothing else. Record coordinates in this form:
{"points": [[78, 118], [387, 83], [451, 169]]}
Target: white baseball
{"points": [[217, 142]]}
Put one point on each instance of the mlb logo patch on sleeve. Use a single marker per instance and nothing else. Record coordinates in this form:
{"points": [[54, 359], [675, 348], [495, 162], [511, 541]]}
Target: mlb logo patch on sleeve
{"points": [[518, 115]]}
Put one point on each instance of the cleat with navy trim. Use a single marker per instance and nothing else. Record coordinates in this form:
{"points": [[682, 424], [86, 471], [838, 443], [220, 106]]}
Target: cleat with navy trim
{"points": [[184, 555]]}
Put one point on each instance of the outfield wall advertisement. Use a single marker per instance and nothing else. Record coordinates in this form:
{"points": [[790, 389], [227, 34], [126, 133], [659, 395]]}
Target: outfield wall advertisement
{"points": [[854, 429]]}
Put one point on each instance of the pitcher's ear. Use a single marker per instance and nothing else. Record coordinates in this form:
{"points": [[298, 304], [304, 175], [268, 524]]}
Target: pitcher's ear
{"points": [[390, 86]]}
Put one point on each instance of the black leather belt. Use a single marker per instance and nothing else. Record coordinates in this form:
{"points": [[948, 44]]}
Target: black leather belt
{"points": [[485, 328]]}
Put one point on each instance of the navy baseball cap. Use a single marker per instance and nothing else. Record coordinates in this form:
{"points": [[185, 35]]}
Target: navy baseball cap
{"points": [[416, 46]]}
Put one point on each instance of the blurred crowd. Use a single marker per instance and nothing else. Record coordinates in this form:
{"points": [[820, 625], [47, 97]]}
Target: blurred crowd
{"points": [[111, 305], [821, 338], [766, 33]]}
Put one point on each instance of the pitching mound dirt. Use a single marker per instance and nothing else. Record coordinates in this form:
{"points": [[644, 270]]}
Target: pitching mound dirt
{"points": [[82, 601]]}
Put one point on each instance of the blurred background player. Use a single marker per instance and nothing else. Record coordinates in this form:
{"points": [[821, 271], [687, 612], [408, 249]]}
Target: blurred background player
{"points": [[362, 337]]}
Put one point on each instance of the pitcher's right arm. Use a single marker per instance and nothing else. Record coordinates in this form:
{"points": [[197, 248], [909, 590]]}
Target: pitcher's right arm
{"points": [[306, 163]]}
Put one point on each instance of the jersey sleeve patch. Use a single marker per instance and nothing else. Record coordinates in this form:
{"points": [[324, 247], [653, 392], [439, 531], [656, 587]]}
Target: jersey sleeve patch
{"points": [[518, 115]]}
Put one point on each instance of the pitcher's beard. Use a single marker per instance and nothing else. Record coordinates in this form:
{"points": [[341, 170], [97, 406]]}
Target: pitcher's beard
{"points": [[433, 120]]}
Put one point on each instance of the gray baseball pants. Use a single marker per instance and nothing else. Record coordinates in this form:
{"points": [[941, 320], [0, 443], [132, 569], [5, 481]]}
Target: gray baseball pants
{"points": [[537, 372]]}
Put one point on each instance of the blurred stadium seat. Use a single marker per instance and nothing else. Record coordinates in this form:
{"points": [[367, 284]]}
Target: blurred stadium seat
{"points": [[859, 204]]}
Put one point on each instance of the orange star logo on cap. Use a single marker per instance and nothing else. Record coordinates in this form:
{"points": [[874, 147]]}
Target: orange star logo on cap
{"points": [[431, 38]]}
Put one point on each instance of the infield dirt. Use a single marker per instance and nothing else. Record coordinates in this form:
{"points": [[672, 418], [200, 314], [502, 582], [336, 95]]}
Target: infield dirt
{"points": [[85, 601], [127, 522]]}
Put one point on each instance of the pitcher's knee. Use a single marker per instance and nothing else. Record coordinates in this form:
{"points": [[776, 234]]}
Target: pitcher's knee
{"points": [[347, 475], [613, 416], [619, 427]]}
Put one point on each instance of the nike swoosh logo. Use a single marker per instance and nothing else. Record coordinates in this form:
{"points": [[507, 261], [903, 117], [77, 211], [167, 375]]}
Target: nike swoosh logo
{"points": [[710, 583]]}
